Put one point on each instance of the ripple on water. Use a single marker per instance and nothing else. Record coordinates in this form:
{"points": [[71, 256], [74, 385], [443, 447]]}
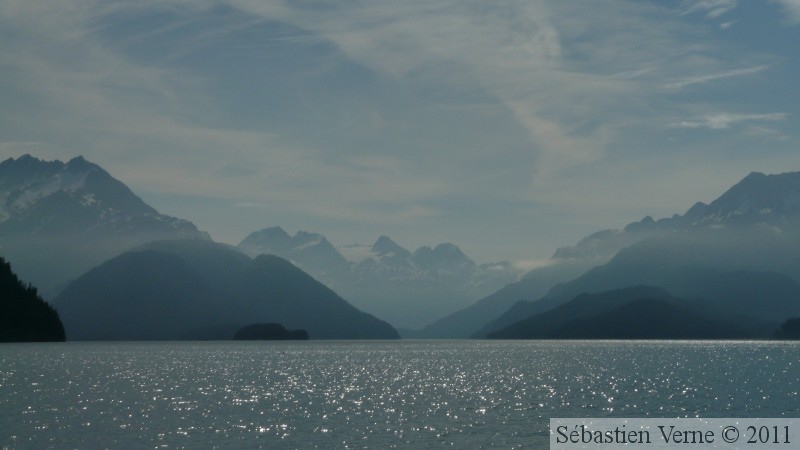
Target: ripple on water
{"points": [[374, 394]]}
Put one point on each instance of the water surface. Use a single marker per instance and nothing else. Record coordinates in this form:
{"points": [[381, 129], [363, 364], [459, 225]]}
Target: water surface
{"points": [[383, 394]]}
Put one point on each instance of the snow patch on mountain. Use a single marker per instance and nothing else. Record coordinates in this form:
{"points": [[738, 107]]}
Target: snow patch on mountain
{"points": [[76, 197], [355, 253], [758, 200], [68, 182], [59, 219], [309, 244], [407, 289]]}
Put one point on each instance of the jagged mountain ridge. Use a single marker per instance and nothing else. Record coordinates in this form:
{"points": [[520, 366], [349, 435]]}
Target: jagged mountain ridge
{"points": [[310, 251], [385, 247], [59, 219], [46, 197], [758, 199], [407, 289], [754, 225]]}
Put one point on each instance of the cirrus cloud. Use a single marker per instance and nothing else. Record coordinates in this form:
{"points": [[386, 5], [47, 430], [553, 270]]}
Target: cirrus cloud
{"points": [[722, 121]]}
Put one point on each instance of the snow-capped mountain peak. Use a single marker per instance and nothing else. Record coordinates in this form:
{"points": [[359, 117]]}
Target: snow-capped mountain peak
{"points": [[58, 219], [444, 257], [756, 200], [51, 197], [386, 247], [388, 280]]}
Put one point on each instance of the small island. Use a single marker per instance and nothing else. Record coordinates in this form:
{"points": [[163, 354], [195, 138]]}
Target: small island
{"points": [[269, 332]]}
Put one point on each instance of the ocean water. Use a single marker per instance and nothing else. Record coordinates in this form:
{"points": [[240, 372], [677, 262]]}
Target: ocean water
{"points": [[405, 394]]}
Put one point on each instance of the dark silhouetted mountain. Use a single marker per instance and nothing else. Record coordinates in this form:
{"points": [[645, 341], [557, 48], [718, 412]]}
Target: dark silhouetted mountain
{"points": [[632, 313], [583, 306], [197, 289], [306, 303], [140, 295], [696, 269], [755, 300], [269, 332], [58, 219], [24, 316], [408, 289], [220, 264], [650, 319], [466, 322], [753, 227]]}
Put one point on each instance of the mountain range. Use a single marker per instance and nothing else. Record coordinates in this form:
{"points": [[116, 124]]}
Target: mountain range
{"points": [[741, 248], [197, 289], [638, 312], [407, 289], [58, 219], [139, 274], [126, 271]]}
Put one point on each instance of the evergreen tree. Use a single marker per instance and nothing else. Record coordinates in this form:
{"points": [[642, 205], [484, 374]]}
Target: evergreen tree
{"points": [[24, 316]]}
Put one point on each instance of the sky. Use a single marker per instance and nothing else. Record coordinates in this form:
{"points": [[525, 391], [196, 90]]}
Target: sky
{"points": [[508, 128]]}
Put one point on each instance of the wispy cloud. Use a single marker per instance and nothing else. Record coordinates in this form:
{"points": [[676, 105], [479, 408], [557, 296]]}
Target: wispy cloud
{"points": [[711, 8], [530, 264], [724, 121], [514, 53], [369, 112], [250, 205], [792, 8], [701, 79], [760, 131], [629, 74]]}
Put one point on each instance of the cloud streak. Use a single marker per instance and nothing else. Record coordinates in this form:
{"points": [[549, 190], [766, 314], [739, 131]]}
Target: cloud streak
{"points": [[712, 8], [515, 54], [724, 121], [702, 79], [375, 112]]}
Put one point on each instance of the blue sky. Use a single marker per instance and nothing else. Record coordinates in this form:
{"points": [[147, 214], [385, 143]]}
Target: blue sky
{"points": [[509, 128]]}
